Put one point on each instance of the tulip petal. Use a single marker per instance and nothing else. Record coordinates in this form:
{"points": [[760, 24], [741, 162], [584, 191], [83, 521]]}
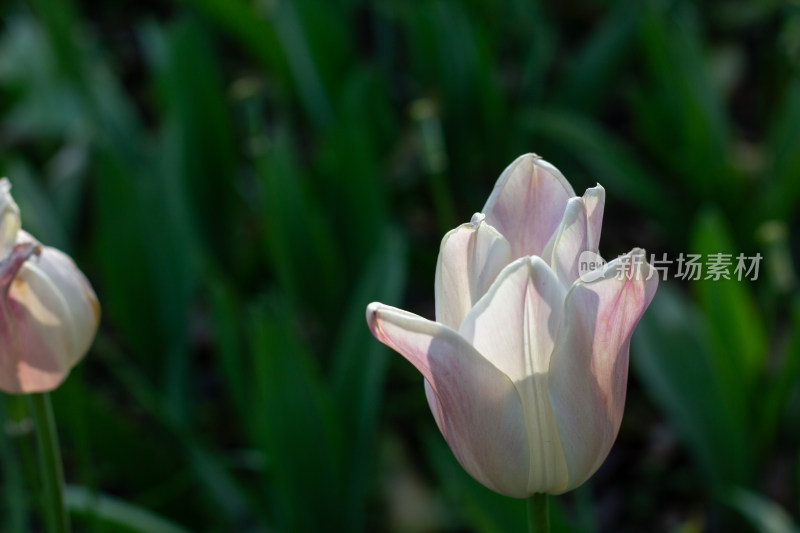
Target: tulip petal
{"points": [[477, 407], [515, 326], [83, 317], [527, 204], [34, 353], [578, 232], [589, 368], [9, 218], [470, 258], [594, 199]]}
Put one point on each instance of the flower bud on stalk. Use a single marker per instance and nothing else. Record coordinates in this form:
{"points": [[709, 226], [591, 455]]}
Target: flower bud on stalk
{"points": [[49, 313]]}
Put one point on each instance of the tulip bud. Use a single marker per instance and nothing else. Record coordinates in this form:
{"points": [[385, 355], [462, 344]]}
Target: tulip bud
{"points": [[526, 365], [49, 313]]}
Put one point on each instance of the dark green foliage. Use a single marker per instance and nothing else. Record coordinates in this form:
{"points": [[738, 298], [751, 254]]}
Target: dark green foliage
{"points": [[239, 179]]}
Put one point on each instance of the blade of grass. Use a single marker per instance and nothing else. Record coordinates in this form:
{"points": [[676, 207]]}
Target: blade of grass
{"points": [[116, 513], [297, 428], [360, 363], [672, 355]]}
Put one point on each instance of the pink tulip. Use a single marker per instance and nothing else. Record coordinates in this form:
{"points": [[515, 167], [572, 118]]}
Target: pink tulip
{"points": [[49, 313], [526, 365]]}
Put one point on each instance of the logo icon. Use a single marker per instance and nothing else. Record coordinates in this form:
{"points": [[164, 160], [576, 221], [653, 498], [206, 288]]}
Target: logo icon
{"points": [[591, 266]]}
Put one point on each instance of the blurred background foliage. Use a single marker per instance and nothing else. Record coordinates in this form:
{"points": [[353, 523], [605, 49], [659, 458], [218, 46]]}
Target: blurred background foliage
{"points": [[240, 178]]}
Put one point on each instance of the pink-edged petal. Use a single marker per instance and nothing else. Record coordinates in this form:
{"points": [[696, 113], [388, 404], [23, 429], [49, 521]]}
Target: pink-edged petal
{"points": [[527, 204], [477, 407], [33, 341], [515, 326], [470, 258], [589, 368], [578, 232]]}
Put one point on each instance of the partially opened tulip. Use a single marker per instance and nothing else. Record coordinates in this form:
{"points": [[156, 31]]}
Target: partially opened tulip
{"points": [[48, 319], [526, 364], [49, 313]]}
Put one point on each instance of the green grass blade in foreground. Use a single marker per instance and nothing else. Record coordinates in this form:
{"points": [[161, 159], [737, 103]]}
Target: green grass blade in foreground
{"points": [[297, 425], [298, 248], [349, 169], [360, 363], [681, 106], [738, 337], [786, 375], [605, 156], [231, 506], [278, 40], [226, 317], [114, 513], [766, 516], [51, 469], [783, 187], [672, 356], [14, 503], [600, 62]]}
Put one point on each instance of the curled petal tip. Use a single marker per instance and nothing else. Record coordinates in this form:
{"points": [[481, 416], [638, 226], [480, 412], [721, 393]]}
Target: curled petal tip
{"points": [[476, 219], [372, 316]]}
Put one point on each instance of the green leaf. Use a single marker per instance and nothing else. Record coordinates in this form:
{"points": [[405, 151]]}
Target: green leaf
{"points": [[296, 426], [299, 248], [597, 67], [605, 156], [681, 107], [115, 513], [738, 336], [360, 363], [783, 187], [765, 516], [672, 356], [14, 500], [276, 37]]}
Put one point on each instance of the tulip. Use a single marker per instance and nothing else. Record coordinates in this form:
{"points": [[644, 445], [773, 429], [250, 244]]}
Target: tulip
{"points": [[49, 313], [526, 364]]}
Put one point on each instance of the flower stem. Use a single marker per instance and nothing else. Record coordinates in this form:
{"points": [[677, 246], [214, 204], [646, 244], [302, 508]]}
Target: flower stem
{"points": [[538, 514], [50, 464]]}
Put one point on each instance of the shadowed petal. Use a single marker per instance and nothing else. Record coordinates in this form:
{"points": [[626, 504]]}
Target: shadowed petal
{"points": [[83, 317], [34, 352], [578, 232], [470, 258], [589, 368], [527, 204], [515, 326], [477, 407]]}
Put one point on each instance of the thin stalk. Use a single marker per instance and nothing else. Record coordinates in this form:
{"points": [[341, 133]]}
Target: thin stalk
{"points": [[55, 510], [539, 514]]}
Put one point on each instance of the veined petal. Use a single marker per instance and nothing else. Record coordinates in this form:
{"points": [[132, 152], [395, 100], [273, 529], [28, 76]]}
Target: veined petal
{"points": [[9, 218], [578, 232], [589, 368], [527, 204], [470, 258], [477, 407], [515, 326]]}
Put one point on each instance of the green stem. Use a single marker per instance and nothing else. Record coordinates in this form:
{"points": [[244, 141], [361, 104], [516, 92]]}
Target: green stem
{"points": [[538, 514], [50, 463]]}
